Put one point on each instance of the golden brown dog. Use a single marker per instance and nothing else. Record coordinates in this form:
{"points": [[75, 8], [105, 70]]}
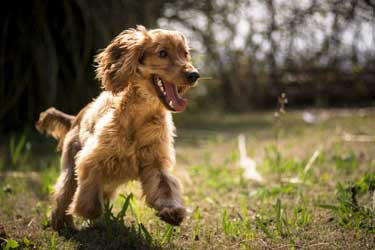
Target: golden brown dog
{"points": [[127, 132]]}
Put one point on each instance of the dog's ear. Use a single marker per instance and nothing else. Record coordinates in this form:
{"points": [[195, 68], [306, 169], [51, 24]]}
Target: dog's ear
{"points": [[118, 62]]}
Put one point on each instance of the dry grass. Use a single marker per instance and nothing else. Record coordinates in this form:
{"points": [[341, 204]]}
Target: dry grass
{"points": [[226, 211]]}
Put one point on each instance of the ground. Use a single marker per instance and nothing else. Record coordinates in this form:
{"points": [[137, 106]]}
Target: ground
{"points": [[318, 170]]}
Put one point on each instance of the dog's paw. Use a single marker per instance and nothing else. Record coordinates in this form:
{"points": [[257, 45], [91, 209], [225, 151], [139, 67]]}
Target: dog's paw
{"points": [[86, 204], [172, 215], [60, 221], [86, 210], [57, 220]]}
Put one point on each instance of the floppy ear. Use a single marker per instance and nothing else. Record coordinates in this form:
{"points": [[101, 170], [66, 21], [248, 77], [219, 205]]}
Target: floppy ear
{"points": [[118, 62]]}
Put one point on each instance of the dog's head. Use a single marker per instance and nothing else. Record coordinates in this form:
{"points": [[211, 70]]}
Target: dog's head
{"points": [[157, 61]]}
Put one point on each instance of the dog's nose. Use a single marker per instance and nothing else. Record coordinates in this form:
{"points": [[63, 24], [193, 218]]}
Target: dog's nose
{"points": [[192, 76]]}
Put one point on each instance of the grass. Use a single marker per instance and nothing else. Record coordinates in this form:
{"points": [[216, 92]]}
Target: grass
{"points": [[349, 212], [318, 191]]}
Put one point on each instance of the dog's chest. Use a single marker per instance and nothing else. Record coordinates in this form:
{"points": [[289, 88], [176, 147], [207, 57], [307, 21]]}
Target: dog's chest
{"points": [[143, 143]]}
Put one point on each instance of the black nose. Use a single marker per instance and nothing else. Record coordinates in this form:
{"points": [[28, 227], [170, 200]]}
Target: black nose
{"points": [[192, 76]]}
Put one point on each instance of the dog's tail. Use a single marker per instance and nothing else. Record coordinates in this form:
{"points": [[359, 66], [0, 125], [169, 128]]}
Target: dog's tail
{"points": [[54, 123]]}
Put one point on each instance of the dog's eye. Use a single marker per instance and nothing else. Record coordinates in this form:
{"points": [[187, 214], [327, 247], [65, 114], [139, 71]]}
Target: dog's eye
{"points": [[163, 53], [186, 54]]}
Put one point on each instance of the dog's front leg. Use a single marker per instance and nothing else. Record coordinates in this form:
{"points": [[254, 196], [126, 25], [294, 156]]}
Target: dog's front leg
{"points": [[88, 199], [162, 191]]}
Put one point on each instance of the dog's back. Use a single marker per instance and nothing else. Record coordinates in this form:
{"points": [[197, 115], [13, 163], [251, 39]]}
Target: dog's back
{"points": [[56, 123]]}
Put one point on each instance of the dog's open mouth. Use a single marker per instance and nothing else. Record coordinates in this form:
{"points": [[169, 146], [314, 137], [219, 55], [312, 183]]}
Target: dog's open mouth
{"points": [[169, 94]]}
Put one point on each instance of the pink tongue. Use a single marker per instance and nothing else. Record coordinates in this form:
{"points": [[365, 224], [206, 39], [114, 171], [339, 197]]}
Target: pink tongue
{"points": [[179, 104]]}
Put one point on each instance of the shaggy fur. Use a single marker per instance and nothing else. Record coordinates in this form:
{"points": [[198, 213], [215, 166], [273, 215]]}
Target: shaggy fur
{"points": [[126, 133]]}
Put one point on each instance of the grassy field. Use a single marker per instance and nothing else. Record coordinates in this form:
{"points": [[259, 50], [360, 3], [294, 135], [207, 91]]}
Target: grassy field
{"points": [[317, 193]]}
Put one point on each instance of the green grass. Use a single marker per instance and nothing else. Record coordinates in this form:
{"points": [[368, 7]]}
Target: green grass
{"points": [[318, 191], [349, 212]]}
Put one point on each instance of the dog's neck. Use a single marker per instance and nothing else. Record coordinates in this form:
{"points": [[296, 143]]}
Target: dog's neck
{"points": [[138, 106]]}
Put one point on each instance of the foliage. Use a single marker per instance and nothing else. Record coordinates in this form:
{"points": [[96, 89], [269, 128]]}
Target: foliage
{"points": [[256, 50], [48, 47]]}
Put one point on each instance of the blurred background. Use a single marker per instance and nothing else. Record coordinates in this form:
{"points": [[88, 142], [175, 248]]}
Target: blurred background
{"points": [[320, 53]]}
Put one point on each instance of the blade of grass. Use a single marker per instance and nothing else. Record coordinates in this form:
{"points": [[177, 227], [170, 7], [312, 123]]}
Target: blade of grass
{"points": [[135, 208], [167, 235], [145, 232], [244, 212], [312, 160], [278, 217], [264, 228], [15, 150], [124, 209], [53, 242], [226, 222], [197, 217]]}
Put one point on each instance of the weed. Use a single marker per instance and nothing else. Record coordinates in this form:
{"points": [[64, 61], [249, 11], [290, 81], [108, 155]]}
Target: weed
{"points": [[9, 244], [27, 243], [18, 151], [264, 192], [244, 213], [53, 241], [302, 216], [197, 227], [283, 224], [279, 225], [135, 208], [238, 225], [44, 223], [48, 176], [167, 235], [120, 216], [366, 183], [12, 244], [131, 202], [349, 212], [276, 163], [227, 225], [219, 177], [345, 160], [15, 148], [263, 227], [278, 115], [281, 220]]}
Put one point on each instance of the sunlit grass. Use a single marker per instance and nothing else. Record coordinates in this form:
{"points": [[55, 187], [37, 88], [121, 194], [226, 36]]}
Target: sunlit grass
{"points": [[317, 189]]}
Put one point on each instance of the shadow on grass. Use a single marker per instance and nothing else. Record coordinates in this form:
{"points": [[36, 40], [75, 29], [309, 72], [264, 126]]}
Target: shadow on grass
{"points": [[193, 130], [221, 123], [110, 236]]}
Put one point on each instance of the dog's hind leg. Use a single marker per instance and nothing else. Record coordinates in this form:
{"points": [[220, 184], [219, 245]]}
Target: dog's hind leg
{"points": [[66, 184], [162, 191]]}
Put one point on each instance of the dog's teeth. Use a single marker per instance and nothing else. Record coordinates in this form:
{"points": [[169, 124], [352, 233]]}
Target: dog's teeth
{"points": [[170, 103]]}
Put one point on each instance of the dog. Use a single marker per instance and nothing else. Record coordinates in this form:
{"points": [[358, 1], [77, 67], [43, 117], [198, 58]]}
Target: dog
{"points": [[127, 132]]}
